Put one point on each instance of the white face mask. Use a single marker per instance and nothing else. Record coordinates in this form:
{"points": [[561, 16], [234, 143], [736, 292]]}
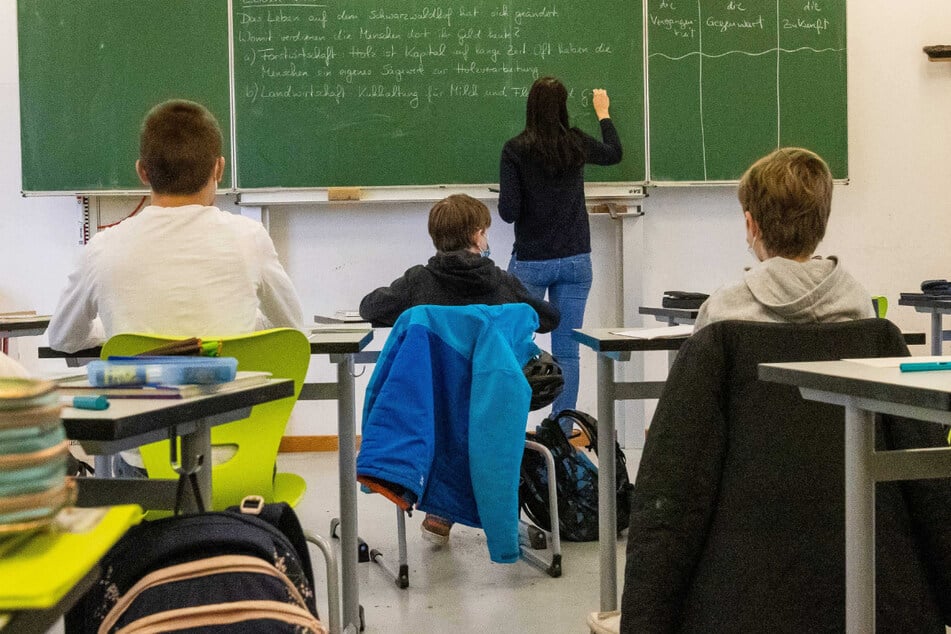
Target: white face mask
{"points": [[752, 249], [484, 251]]}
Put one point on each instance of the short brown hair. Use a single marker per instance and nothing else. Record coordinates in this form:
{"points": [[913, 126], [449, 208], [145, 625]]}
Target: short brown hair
{"points": [[178, 147], [454, 219], [789, 194]]}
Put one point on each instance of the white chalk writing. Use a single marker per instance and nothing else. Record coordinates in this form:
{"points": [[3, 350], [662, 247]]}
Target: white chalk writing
{"points": [[412, 56]]}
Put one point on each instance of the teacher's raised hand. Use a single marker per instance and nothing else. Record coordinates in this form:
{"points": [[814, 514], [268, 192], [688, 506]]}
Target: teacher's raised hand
{"points": [[601, 103]]}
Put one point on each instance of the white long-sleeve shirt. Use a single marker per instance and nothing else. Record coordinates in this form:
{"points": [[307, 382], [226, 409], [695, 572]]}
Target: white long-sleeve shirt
{"points": [[183, 271]]}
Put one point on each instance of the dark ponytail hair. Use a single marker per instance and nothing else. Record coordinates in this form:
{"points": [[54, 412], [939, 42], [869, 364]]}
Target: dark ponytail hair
{"points": [[547, 134]]}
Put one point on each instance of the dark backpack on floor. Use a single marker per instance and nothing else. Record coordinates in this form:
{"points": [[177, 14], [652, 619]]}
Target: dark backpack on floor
{"points": [[207, 572], [576, 479]]}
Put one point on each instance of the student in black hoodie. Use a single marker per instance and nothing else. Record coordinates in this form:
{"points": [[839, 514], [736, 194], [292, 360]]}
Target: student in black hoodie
{"points": [[460, 273]]}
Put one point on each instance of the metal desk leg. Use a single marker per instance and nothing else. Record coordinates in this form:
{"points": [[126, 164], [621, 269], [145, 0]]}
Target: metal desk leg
{"points": [[196, 457], [859, 521], [607, 504], [937, 336], [104, 465], [346, 432]]}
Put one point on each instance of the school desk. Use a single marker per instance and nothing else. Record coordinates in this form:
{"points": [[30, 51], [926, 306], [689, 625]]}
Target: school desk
{"points": [[679, 316], [43, 573], [864, 391], [344, 349], [21, 324], [73, 359], [25, 324], [937, 307], [611, 348], [132, 422], [671, 316]]}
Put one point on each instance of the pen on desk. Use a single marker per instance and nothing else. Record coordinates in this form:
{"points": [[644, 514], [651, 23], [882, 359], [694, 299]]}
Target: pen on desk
{"points": [[98, 402], [927, 366]]}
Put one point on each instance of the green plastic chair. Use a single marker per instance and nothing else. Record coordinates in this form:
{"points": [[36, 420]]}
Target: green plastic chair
{"points": [[880, 304], [285, 353]]}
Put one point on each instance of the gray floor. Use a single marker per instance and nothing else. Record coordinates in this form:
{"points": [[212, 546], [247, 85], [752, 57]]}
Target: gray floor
{"points": [[455, 588]]}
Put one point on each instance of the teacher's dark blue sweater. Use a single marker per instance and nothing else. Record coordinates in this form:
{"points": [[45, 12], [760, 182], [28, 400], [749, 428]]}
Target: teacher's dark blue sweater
{"points": [[549, 213]]}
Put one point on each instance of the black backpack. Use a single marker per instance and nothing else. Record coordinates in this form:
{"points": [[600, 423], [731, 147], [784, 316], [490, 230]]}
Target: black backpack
{"points": [[576, 479], [218, 570]]}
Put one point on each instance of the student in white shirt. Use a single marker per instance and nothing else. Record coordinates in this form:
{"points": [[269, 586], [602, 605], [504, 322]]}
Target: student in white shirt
{"points": [[181, 266]]}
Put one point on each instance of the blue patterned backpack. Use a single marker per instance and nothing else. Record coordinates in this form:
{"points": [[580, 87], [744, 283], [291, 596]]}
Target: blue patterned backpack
{"points": [[576, 480]]}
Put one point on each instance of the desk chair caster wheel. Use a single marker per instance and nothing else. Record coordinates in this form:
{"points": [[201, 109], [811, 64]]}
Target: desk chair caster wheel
{"points": [[363, 551]]}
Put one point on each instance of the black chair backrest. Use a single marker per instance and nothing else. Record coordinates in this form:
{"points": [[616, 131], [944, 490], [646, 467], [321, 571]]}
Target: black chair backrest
{"points": [[739, 498]]}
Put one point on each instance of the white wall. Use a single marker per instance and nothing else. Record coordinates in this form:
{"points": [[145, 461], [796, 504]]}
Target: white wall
{"points": [[889, 225]]}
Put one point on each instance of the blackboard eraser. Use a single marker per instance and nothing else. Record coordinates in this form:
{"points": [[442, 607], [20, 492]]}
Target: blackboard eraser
{"points": [[609, 208], [343, 193]]}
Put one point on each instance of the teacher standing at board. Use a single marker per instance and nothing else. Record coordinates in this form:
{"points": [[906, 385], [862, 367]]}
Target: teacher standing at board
{"points": [[541, 190]]}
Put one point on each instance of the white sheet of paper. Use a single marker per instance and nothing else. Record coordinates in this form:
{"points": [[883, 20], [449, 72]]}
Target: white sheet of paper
{"points": [[664, 332]]}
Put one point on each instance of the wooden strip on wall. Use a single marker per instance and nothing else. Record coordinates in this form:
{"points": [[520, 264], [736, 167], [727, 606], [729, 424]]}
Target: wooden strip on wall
{"points": [[295, 444]]}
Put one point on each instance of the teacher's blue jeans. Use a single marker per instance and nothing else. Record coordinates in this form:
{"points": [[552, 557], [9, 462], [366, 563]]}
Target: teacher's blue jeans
{"points": [[567, 282]]}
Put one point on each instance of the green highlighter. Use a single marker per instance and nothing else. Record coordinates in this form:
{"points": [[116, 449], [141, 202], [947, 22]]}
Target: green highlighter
{"points": [[925, 366]]}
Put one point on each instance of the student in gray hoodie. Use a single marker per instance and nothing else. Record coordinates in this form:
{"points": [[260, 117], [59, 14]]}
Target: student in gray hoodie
{"points": [[786, 198]]}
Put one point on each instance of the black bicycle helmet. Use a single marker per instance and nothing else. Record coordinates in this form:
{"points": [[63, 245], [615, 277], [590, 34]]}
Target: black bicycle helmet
{"points": [[545, 379]]}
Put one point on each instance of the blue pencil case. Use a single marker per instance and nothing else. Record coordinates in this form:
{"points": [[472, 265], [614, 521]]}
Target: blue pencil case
{"points": [[171, 370]]}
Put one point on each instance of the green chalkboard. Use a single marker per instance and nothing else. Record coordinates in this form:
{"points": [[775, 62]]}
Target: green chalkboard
{"points": [[412, 92], [730, 80], [91, 69]]}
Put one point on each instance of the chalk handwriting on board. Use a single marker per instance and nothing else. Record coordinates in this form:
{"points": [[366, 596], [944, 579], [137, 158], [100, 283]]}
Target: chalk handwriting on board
{"points": [[388, 77], [304, 50], [705, 40]]}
